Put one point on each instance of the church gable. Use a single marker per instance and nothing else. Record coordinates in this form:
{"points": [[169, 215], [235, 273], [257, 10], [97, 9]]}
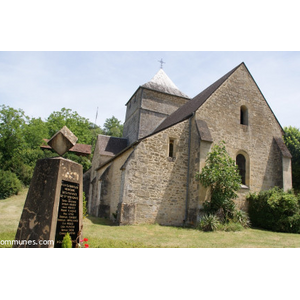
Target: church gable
{"points": [[187, 110], [238, 113], [239, 106]]}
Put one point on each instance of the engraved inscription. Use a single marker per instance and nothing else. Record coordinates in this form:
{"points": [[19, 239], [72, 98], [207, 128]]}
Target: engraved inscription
{"points": [[68, 212]]}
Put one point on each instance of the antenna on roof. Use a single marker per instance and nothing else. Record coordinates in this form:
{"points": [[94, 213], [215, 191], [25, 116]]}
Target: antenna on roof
{"points": [[161, 63], [96, 117]]}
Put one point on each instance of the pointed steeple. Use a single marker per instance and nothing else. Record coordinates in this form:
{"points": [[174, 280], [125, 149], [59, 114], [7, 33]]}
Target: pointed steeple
{"points": [[162, 83]]}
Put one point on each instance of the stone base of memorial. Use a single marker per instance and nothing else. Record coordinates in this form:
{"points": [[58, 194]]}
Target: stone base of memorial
{"points": [[53, 205]]}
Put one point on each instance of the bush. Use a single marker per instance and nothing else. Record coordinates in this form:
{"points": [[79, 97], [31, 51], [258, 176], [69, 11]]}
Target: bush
{"points": [[241, 217], [67, 241], [232, 226], [275, 210], [209, 223], [9, 184], [221, 175], [213, 222]]}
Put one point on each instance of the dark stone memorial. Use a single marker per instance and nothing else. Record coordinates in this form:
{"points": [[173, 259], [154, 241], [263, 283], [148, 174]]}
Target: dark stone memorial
{"points": [[68, 212], [53, 205]]}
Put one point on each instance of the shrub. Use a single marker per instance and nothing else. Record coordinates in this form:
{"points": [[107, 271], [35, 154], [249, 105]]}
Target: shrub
{"points": [[67, 241], [275, 210], [9, 184], [213, 222], [241, 217], [209, 223], [232, 226], [222, 176]]}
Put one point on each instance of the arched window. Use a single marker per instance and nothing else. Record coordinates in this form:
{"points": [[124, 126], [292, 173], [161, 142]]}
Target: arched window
{"points": [[244, 115], [241, 163], [171, 148]]}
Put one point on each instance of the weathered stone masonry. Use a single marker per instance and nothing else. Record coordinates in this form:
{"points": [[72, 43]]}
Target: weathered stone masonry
{"points": [[149, 175], [155, 184], [255, 140]]}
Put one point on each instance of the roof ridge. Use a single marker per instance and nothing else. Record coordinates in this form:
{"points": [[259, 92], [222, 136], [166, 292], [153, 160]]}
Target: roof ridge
{"points": [[110, 136], [185, 111]]}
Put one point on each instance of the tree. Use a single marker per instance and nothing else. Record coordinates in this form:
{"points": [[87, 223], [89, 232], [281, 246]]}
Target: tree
{"points": [[292, 141], [221, 174], [34, 132], [21, 137], [80, 126], [13, 146], [113, 127], [12, 123], [9, 184]]}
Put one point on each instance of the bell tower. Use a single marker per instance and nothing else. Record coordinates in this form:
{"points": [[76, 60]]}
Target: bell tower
{"points": [[150, 105]]}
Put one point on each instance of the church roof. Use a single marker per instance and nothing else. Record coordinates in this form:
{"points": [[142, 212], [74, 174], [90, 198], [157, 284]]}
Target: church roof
{"points": [[162, 83], [187, 110], [110, 146]]}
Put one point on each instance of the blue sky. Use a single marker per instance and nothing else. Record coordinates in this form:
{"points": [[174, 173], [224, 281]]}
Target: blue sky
{"points": [[43, 82]]}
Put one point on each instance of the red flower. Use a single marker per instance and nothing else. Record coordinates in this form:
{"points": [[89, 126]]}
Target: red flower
{"points": [[85, 239], [86, 245]]}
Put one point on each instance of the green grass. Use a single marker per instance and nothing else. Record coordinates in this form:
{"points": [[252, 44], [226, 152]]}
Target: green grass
{"points": [[101, 233], [104, 234], [10, 213]]}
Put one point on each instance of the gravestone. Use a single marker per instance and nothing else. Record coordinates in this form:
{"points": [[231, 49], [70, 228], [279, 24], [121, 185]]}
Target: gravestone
{"points": [[53, 204]]}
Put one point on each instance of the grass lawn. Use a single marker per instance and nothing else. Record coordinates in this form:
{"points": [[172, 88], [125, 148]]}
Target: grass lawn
{"points": [[103, 234]]}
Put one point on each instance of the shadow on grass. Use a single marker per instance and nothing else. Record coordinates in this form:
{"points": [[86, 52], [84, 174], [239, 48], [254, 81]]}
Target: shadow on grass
{"points": [[101, 221]]}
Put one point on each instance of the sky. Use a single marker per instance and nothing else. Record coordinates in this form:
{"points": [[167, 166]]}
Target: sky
{"points": [[40, 82]]}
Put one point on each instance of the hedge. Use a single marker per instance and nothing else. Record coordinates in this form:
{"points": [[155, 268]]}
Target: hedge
{"points": [[9, 184], [275, 210]]}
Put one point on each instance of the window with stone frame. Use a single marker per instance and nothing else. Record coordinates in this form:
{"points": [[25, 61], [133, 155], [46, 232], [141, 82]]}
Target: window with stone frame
{"points": [[241, 163], [171, 147], [244, 115]]}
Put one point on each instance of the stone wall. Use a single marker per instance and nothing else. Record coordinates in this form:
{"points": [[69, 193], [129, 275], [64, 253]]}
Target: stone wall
{"points": [[155, 184], [86, 183], [131, 125], [146, 110], [106, 187], [287, 171], [255, 140], [197, 194], [92, 186]]}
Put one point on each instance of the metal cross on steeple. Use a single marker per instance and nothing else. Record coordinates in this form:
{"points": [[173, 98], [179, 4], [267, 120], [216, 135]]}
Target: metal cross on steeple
{"points": [[161, 63]]}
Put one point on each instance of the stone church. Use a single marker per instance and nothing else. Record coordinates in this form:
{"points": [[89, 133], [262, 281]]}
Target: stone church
{"points": [[148, 176]]}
